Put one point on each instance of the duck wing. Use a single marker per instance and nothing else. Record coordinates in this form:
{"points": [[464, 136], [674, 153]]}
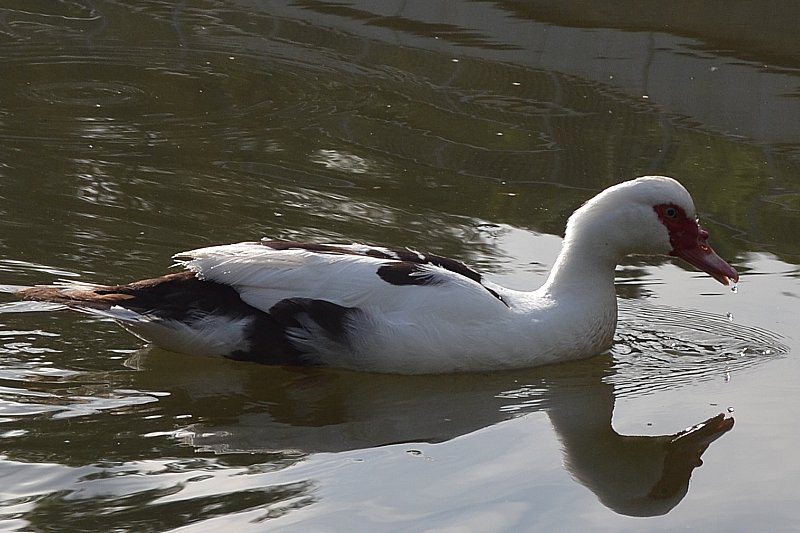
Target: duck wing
{"points": [[286, 303], [267, 272]]}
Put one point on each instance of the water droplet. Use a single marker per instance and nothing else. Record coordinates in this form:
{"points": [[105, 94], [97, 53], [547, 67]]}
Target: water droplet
{"points": [[734, 288], [729, 316]]}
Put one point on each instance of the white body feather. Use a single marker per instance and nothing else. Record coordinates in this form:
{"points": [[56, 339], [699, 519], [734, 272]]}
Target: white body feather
{"points": [[453, 325], [428, 319]]}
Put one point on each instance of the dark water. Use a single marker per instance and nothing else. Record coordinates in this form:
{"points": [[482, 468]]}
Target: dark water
{"points": [[133, 130]]}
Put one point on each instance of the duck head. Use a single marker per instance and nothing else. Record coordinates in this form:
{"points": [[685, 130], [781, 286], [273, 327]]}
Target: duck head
{"points": [[647, 215]]}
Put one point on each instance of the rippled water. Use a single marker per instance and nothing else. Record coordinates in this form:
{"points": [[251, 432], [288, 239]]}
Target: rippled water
{"points": [[131, 132]]}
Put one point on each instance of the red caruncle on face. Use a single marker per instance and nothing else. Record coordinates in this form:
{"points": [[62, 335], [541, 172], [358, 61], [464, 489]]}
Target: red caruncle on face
{"points": [[689, 241]]}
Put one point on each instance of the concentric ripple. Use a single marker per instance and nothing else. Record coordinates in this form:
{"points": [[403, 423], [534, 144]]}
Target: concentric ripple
{"points": [[655, 341], [84, 93]]}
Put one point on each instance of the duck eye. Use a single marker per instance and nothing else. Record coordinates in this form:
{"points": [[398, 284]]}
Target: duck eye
{"points": [[671, 212]]}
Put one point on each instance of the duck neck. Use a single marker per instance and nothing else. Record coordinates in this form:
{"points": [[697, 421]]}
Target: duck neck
{"points": [[584, 268]]}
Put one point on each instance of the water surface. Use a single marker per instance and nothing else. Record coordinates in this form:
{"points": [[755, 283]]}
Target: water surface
{"points": [[131, 132]]}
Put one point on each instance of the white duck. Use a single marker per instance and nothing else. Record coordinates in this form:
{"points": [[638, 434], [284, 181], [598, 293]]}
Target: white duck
{"points": [[400, 311]]}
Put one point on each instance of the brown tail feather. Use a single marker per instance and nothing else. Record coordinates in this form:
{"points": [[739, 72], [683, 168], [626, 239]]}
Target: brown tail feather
{"points": [[67, 296], [99, 296]]}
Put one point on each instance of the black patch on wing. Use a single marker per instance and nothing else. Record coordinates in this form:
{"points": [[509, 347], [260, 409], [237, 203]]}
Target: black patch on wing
{"points": [[184, 298], [331, 317], [178, 297], [453, 266], [406, 273]]}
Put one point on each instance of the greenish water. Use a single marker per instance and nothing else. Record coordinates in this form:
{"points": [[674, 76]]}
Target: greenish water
{"points": [[131, 131]]}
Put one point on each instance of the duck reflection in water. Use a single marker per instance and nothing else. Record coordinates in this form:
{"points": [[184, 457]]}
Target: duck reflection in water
{"points": [[630, 474], [319, 410]]}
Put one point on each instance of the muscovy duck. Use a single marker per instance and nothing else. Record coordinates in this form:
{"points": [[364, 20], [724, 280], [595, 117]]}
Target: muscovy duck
{"points": [[400, 311]]}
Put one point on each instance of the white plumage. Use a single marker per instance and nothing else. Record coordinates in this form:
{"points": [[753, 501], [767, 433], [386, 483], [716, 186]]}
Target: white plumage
{"points": [[375, 309]]}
